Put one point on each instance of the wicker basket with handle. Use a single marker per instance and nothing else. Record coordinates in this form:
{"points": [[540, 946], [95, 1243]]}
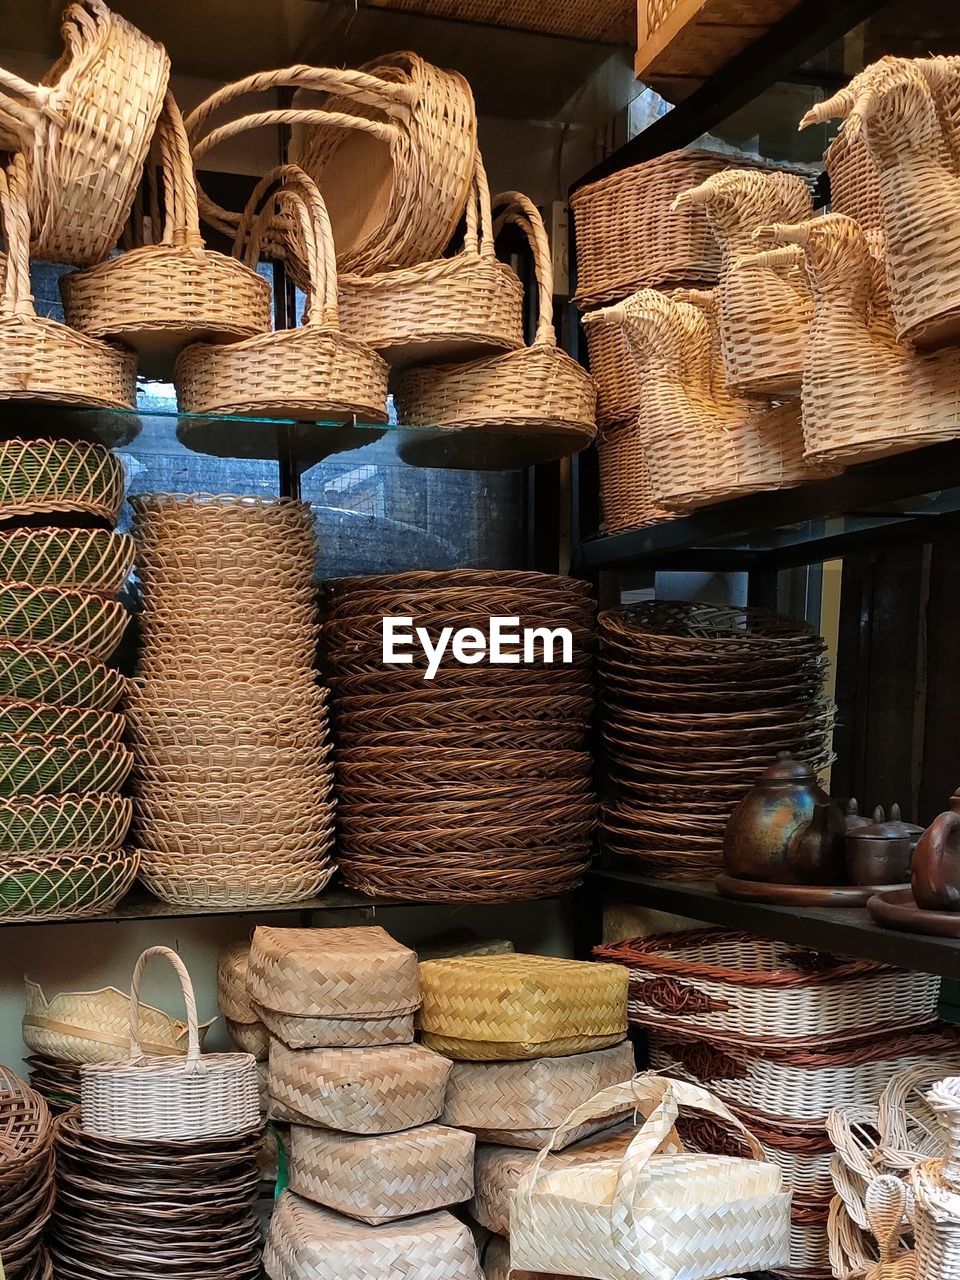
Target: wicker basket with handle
{"points": [[537, 389], [314, 371], [41, 361], [680, 1213], [149, 1097], [85, 131], [168, 292]]}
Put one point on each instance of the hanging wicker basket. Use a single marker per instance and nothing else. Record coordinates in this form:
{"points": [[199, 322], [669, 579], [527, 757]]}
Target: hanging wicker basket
{"points": [[392, 146], [46, 477], [538, 389], [160, 296], [85, 132], [311, 372], [41, 361], [148, 1097]]}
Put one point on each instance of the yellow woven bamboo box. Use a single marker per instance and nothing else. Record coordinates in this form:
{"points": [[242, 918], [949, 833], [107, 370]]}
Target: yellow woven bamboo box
{"points": [[486, 1008]]}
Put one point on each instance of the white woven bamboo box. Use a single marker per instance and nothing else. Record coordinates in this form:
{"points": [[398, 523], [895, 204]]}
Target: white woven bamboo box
{"points": [[306, 1242], [358, 1090], [378, 1179], [521, 1103]]}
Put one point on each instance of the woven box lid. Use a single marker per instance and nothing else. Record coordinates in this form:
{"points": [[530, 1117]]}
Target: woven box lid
{"points": [[233, 998], [337, 1033], [332, 973], [359, 1090], [521, 1006], [377, 1179], [537, 1095], [309, 1243]]}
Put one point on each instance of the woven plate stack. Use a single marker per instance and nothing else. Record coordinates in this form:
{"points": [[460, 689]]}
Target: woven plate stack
{"points": [[229, 726], [62, 765], [697, 700], [26, 1179], [473, 785]]}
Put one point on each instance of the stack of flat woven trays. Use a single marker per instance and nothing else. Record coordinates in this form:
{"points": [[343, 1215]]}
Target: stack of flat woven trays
{"points": [[697, 700], [63, 820], [475, 785], [228, 724], [26, 1179]]}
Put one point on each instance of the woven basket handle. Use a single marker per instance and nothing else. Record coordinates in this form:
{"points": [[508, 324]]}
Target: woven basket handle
{"points": [[23, 120], [181, 224], [189, 1000], [522, 212], [16, 298], [886, 1202], [478, 237]]}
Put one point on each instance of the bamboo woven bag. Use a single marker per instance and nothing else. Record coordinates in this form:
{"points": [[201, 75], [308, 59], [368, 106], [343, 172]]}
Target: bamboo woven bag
{"points": [[392, 146], [315, 371], [85, 131], [379, 1179], [42, 361], [672, 1216], [149, 1097], [307, 1241], [536, 389], [168, 291], [478, 1008]]}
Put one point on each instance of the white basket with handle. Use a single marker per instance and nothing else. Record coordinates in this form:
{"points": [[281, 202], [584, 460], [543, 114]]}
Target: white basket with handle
{"points": [[657, 1210], [150, 1097]]}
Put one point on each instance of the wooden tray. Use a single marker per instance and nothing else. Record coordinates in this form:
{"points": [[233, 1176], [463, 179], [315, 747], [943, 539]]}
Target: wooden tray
{"points": [[896, 909], [805, 895]]}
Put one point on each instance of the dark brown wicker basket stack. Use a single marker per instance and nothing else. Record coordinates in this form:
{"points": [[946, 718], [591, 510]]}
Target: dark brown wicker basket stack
{"points": [[475, 785], [184, 1210], [26, 1179], [697, 701]]}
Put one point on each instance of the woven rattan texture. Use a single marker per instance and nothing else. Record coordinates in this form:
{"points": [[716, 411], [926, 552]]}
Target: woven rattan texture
{"points": [[338, 1033], [82, 559], [41, 477], [78, 622], [45, 886], [854, 181], [26, 1176], [615, 373], [626, 490]]}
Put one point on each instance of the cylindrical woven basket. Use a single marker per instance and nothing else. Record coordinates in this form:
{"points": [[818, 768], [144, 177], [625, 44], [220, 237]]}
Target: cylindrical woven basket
{"points": [[85, 130], [379, 1179], [538, 388], [46, 886], [42, 361], [169, 291], [82, 559], [392, 146], [314, 371], [45, 477], [149, 1097]]}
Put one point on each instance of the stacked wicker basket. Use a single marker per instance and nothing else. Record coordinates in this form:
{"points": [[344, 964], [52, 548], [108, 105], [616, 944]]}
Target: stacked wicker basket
{"points": [[26, 1179], [473, 785], [783, 1036], [62, 765], [229, 727]]}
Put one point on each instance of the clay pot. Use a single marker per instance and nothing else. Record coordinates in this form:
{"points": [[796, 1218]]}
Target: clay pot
{"points": [[936, 862]]}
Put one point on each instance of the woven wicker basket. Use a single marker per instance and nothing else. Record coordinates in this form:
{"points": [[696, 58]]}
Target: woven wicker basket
{"points": [[46, 765], [311, 372], [379, 1179], [85, 131], [935, 1213], [233, 999], [252, 1038], [305, 1240], [854, 180], [615, 372], [160, 296], [366, 1091], [392, 146], [42, 477], [750, 991], [79, 622], [495, 1258], [521, 1103], [42, 361], [148, 1097], [538, 388], [71, 722], [89, 1026], [478, 1008], [626, 490], [457, 308], [82, 559], [29, 674], [58, 886], [237, 878], [73, 824], [338, 1033]]}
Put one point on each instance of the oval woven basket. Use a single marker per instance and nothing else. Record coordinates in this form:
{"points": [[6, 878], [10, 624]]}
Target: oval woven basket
{"points": [[83, 559], [54, 886], [456, 308], [346, 592], [70, 722], [41, 477], [538, 388], [236, 879], [76, 824], [314, 371], [78, 622], [30, 674], [33, 765], [392, 146], [149, 1097], [85, 131], [219, 521], [42, 361], [161, 295]]}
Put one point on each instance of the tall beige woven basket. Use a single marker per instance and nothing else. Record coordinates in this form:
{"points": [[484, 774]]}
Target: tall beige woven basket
{"points": [[42, 361], [537, 389], [315, 371], [170, 290], [392, 146], [655, 1212], [457, 308], [85, 131], [148, 1097]]}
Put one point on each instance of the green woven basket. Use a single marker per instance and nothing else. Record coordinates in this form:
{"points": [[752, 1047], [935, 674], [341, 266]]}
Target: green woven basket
{"points": [[35, 764], [85, 559], [64, 824], [71, 722], [62, 886], [29, 674], [78, 622], [41, 476]]}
